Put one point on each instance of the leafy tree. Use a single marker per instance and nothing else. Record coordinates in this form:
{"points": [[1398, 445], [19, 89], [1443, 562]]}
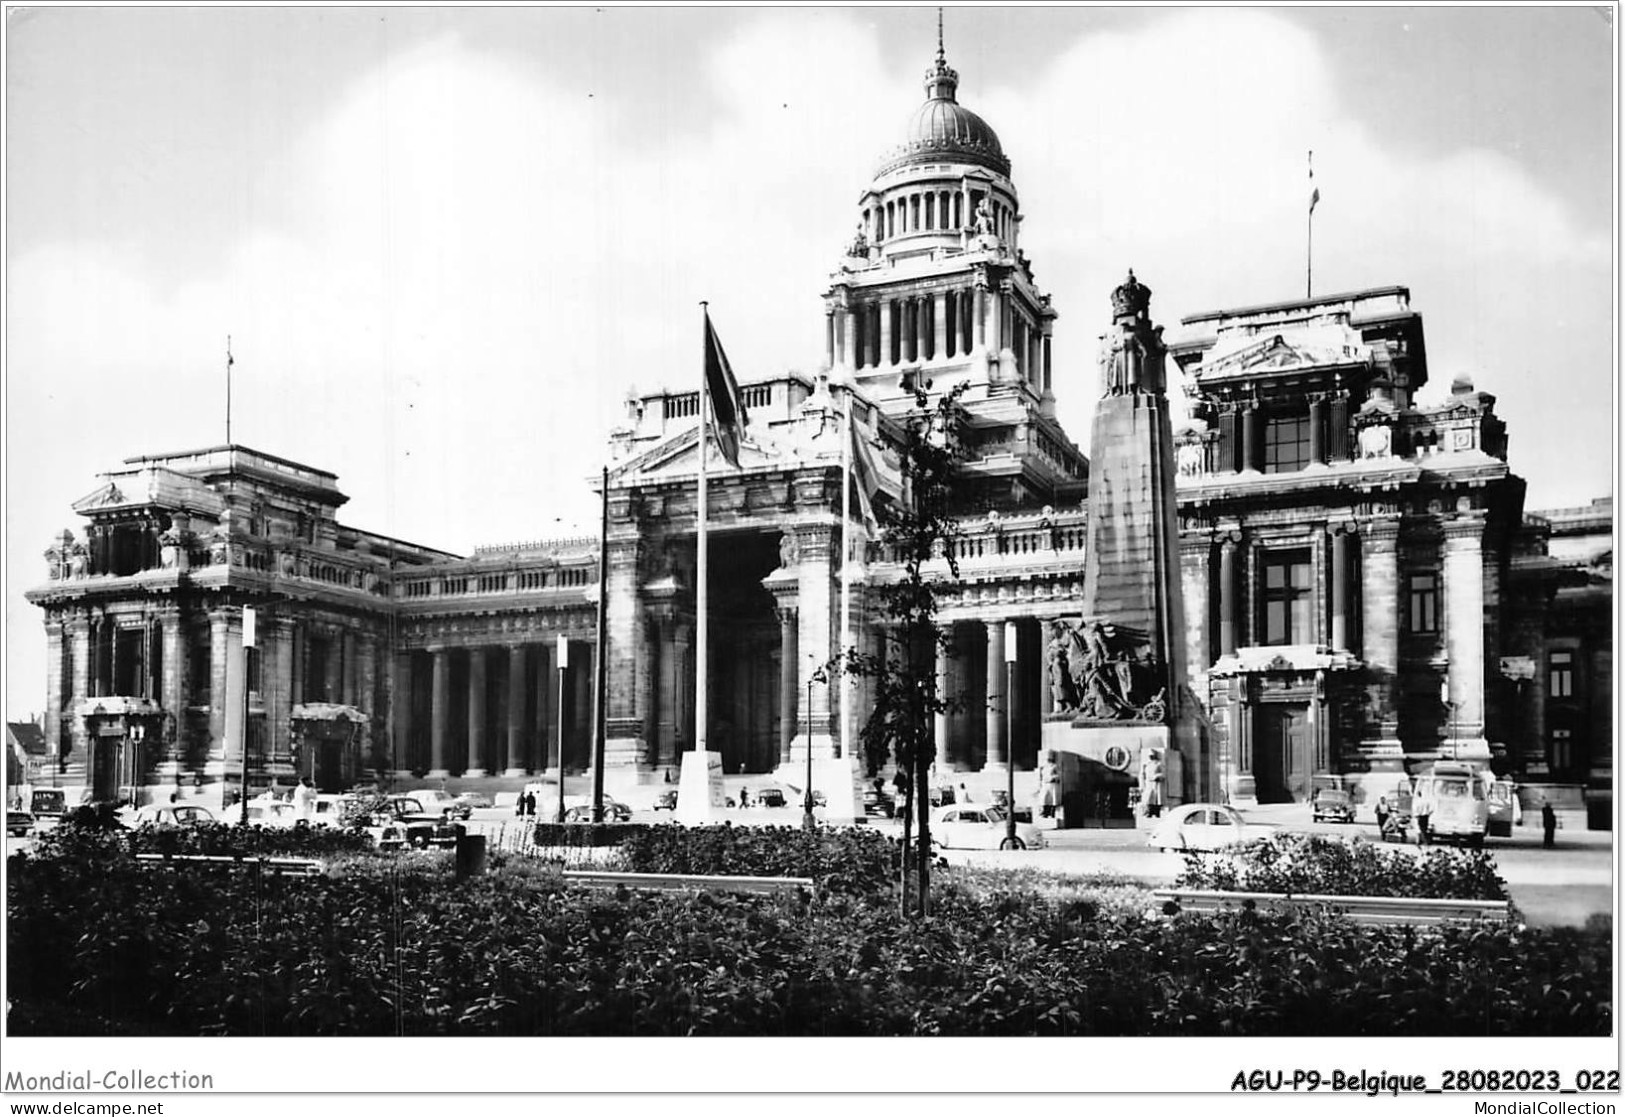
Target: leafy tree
{"points": [[916, 532]]}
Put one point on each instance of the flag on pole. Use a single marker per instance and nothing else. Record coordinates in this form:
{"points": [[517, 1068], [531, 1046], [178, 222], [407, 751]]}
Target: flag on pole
{"points": [[1314, 191], [723, 390]]}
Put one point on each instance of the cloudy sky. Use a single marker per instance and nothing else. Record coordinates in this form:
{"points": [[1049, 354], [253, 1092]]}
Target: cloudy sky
{"points": [[446, 243]]}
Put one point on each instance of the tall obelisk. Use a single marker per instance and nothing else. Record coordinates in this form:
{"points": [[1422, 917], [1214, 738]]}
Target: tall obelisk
{"points": [[1123, 719]]}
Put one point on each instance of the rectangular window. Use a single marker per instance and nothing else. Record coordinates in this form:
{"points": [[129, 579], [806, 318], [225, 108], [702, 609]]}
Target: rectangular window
{"points": [[1286, 444], [1288, 598], [1561, 666], [1424, 602]]}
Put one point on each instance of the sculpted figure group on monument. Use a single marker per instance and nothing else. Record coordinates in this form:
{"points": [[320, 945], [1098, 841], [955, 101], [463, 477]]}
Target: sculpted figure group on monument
{"points": [[1091, 678]]}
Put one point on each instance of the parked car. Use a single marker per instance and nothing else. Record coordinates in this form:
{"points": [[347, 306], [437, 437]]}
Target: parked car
{"points": [[578, 808], [475, 800], [666, 800], [172, 814], [452, 806], [1207, 827], [405, 821], [768, 796], [19, 824], [974, 826], [877, 802], [1333, 805], [270, 813]]}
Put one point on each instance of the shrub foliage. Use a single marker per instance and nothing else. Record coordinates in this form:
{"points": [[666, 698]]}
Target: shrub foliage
{"points": [[1312, 864], [388, 945]]}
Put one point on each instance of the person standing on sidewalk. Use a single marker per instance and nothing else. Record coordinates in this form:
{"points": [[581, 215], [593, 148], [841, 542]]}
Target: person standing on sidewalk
{"points": [[1548, 823]]}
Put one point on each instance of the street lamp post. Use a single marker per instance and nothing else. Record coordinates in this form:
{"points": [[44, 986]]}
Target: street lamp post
{"points": [[807, 820], [1010, 735]]}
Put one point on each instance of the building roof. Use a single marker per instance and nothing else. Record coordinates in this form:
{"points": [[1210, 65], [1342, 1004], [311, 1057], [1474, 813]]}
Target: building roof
{"points": [[1369, 294], [28, 735], [943, 130]]}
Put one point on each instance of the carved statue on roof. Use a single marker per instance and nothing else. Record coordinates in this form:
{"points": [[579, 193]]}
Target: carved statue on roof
{"points": [[984, 219], [860, 244]]}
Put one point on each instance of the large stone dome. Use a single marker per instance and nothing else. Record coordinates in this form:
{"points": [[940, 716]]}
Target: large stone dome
{"points": [[943, 130]]}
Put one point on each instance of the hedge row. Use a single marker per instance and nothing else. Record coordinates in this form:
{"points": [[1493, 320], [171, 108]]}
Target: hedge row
{"points": [[388, 946], [1316, 865]]}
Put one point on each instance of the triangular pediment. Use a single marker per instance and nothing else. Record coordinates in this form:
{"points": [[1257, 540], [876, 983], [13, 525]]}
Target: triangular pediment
{"points": [[107, 496], [679, 456], [1275, 354]]}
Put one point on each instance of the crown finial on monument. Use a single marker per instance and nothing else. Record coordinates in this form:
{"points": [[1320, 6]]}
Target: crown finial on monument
{"points": [[1132, 299]]}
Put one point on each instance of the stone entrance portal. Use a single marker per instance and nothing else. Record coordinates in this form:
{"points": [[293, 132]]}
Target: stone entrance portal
{"points": [[1281, 763]]}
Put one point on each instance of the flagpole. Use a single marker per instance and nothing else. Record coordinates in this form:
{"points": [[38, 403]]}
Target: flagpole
{"points": [[702, 664], [1309, 242], [229, 363], [846, 578]]}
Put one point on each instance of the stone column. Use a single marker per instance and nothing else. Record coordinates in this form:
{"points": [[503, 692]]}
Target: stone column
{"points": [[683, 673], [871, 335], [439, 711], [79, 638], [1340, 579], [278, 707], [655, 743], [814, 597], [1252, 439], [979, 319], [56, 698], [401, 708], [476, 711], [351, 673], [1196, 585], [997, 699], [628, 683], [829, 336], [545, 727], [941, 324], [1229, 596], [787, 682], [939, 722], [886, 308], [849, 347], [1464, 623], [300, 647], [219, 656], [1379, 563], [516, 710], [1317, 432]]}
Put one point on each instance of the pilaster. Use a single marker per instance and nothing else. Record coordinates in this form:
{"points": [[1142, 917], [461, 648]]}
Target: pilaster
{"points": [[1464, 625]]}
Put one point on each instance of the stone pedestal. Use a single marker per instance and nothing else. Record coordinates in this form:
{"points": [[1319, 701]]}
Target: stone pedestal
{"points": [[1100, 763], [699, 789]]}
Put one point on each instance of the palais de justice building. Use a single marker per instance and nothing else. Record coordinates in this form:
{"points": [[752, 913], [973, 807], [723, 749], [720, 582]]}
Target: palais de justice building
{"points": [[1361, 588]]}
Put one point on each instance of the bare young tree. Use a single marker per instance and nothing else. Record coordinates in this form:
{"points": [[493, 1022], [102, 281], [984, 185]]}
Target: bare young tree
{"points": [[918, 533]]}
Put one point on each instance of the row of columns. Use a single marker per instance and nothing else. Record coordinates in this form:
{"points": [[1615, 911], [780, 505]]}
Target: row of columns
{"points": [[921, 211], [527, 741], [1243, 430], [943, 325]]}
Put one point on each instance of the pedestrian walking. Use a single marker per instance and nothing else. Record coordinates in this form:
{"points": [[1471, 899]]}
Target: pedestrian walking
{"points": [[744, 797], [519, 805], [1548, 823], [1382, 813], [1424, 818]]}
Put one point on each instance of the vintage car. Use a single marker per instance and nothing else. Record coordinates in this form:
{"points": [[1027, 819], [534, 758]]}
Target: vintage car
{"points": [[1333, 804], [404, 821], [1205, 827], [172, 814], [452, 806], [666, 800], [975, 826], [19, 824], [578, 808]]}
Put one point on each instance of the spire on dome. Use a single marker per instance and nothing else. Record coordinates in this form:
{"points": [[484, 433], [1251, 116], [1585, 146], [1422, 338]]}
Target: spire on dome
{"points": [[941, 80]]}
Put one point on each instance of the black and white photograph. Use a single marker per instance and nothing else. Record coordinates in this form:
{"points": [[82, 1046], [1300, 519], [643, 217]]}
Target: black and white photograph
{"points": [[662, 550]]}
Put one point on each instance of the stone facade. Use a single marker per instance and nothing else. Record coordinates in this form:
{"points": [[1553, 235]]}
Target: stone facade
{"points": [[1361, 589]]}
